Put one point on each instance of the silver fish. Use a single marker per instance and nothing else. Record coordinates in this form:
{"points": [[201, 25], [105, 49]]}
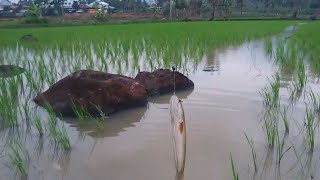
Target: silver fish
{"points": [[179, 132]]}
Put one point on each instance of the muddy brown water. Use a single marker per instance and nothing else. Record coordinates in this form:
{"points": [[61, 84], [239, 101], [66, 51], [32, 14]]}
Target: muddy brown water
{"points": [[225, 103]]}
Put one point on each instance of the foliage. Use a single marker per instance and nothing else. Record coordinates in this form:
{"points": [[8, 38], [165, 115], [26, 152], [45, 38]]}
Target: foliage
{"points": [[100, 15], [34, 16]]}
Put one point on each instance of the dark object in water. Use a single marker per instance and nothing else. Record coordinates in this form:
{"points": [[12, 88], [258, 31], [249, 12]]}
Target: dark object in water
{"points": [[211, 68], [89, 90], [161, 81], [10, 71], [29, 37]]}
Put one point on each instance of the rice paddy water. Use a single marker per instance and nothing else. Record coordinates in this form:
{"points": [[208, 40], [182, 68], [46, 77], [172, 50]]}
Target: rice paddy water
{"points": [[255, 78]]}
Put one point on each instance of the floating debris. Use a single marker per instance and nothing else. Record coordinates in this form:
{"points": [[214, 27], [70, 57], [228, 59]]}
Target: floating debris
{"points": [[29, 37], [211, 68]]}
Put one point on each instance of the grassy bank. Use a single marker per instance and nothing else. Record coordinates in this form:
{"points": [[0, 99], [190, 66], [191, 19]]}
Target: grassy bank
{"points": [[307, 39], [178, 31]]}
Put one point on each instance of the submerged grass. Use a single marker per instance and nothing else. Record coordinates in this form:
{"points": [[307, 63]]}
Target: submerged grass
{"points": [[253, 153]]}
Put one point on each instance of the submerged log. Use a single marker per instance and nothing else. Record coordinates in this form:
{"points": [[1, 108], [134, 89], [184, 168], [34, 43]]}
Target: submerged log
{"points": [[92, 90]]}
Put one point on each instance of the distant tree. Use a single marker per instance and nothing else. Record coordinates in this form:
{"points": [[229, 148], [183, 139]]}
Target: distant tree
{"points": [[266, 5], [214, 4], [195, 6], [161, 2], [226, 7], [34, 16], [240, 4], [314, 4], [180, 4]]}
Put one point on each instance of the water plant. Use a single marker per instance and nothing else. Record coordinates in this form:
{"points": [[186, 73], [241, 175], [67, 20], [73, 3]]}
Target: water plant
{"points": [[271, 93], [80, 111], [284, 118], [62, 138], [102, 116], [271, 131], [235, 174], [310, 129], [253, 153], [280, 146], [38, 125]]}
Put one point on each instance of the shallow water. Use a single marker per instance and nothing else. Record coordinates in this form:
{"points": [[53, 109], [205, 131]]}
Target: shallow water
{"points": [[225, 103]]}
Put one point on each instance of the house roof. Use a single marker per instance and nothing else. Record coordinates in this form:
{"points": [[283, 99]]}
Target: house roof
{"points": [[84, 6], [5, 3]]}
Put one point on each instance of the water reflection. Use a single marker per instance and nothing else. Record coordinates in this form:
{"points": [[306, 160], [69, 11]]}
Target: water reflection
{"points": [[164, 99], [179, 176], [212, 63], [112, 126]]}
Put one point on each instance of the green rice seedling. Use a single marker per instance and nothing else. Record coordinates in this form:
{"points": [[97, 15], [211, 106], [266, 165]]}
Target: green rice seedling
{"points": [[32, 82], [302, 78], [253, 153], [37, 123], [52, 120], [268, 46], [271, 93], [275, 87], [62, 138], [315, 102], [80, 111], [27, 111], [309, 123], [285, 119], [8, 102], [59, 135], [280, 146], [280, 56], [235, 174], [267, 97], [271, 129], [19, 158], [102, 116]]}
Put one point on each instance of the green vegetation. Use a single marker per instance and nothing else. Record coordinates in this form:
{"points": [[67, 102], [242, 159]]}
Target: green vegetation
{"points": [[296, 69], [253, 152], [307, 39], [235, 174], [310, 126], [38, 125]]}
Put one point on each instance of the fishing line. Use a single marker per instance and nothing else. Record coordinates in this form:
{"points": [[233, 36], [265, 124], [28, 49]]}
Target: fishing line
{"points": [[174, 79]]}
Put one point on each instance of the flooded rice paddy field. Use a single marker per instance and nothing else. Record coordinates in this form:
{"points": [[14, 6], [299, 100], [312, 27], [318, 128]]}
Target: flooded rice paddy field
{"points": [[256, 100]]}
